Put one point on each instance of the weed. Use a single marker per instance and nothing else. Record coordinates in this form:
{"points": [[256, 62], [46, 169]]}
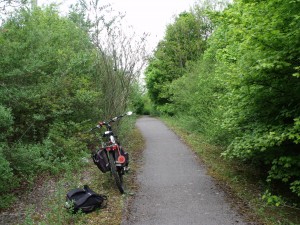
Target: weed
{"points": [[53, 211]]}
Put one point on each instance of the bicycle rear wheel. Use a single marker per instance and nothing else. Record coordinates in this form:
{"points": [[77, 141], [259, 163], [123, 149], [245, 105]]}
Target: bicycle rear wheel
{"points": [[118, 176]]}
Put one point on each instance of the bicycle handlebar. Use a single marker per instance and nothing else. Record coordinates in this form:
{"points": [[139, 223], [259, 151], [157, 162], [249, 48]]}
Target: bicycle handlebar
{"points": [[107, 124]]}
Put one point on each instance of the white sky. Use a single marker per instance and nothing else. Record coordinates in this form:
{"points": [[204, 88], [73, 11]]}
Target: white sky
{"points": [[150, 16]]}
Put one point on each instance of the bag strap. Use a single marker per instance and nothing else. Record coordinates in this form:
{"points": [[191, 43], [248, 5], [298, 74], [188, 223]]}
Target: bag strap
{"points": [[83, 199], [88, 190], [89, 193], [75, 191]]}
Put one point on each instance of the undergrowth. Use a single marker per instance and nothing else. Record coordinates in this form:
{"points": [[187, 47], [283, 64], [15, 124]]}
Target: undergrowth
{"points": [[54, 211]]}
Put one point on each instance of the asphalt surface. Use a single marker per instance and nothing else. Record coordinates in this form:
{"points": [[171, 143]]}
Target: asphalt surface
{"points": [[174, 186]]}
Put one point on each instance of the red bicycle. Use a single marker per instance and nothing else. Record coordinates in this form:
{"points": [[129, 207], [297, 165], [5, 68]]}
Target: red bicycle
{"points": [[110, 156]]}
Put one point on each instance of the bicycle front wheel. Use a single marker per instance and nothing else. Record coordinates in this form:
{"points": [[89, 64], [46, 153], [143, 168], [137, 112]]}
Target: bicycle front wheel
{"points": [[118, 176]]}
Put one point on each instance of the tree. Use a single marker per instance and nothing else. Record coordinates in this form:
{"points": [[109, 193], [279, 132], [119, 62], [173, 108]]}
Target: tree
{"points": [[121, 56], [47, 91], [185, 41], [258, 63], [41, 53]]}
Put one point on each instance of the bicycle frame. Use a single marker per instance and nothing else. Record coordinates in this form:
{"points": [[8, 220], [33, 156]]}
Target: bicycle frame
{"points": [[114, 153], [112, 145]]}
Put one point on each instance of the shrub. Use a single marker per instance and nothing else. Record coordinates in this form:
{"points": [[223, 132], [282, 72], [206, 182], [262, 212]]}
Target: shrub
{"points": [[6, 122]]}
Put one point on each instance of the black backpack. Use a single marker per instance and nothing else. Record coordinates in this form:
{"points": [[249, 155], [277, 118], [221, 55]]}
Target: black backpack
{"points": [[84, 200]]}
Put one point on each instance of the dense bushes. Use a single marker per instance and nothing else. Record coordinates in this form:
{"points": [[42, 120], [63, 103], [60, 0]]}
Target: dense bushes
{"points": [[46, 70], [244, 90], [173, 55], [263, 92], [53, 81]]}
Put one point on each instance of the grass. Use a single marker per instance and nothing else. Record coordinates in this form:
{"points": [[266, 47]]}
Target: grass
{"points": [[243, 183], [54, 211]]}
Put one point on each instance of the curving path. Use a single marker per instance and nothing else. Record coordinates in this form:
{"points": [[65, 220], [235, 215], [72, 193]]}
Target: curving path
{"points": [[174, 187]]}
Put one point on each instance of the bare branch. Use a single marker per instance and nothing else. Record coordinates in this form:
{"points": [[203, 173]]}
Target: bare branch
{"points": [[121, 55]]}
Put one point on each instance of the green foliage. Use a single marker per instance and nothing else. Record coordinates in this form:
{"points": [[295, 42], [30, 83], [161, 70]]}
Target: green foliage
{"points": [[272, 199], [195, 95], [43, 56], [6, 121], [6, 171], [26, 160], [263, 94], [48, 88], [55, 83], [138, 103], [243, 91], [184, 42], [63, 144], [7, 178], [148, 106]]}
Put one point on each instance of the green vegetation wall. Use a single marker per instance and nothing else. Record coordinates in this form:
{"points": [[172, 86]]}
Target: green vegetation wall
{"points": [[48, 89], [259, 66], [59, 75], [243, 91], [184, 42]]}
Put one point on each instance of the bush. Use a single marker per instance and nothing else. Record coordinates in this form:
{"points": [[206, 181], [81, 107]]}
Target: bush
{"points": [[26, 160], [64, 149], [6, 122], [6, 172], [7, 180]]}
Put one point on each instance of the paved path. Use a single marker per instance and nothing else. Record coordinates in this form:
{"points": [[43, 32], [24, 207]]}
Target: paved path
{"points": [[174, 187]]}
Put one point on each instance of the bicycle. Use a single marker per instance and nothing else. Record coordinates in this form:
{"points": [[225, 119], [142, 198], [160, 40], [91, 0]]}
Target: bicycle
{"points": [[110, 155]]}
